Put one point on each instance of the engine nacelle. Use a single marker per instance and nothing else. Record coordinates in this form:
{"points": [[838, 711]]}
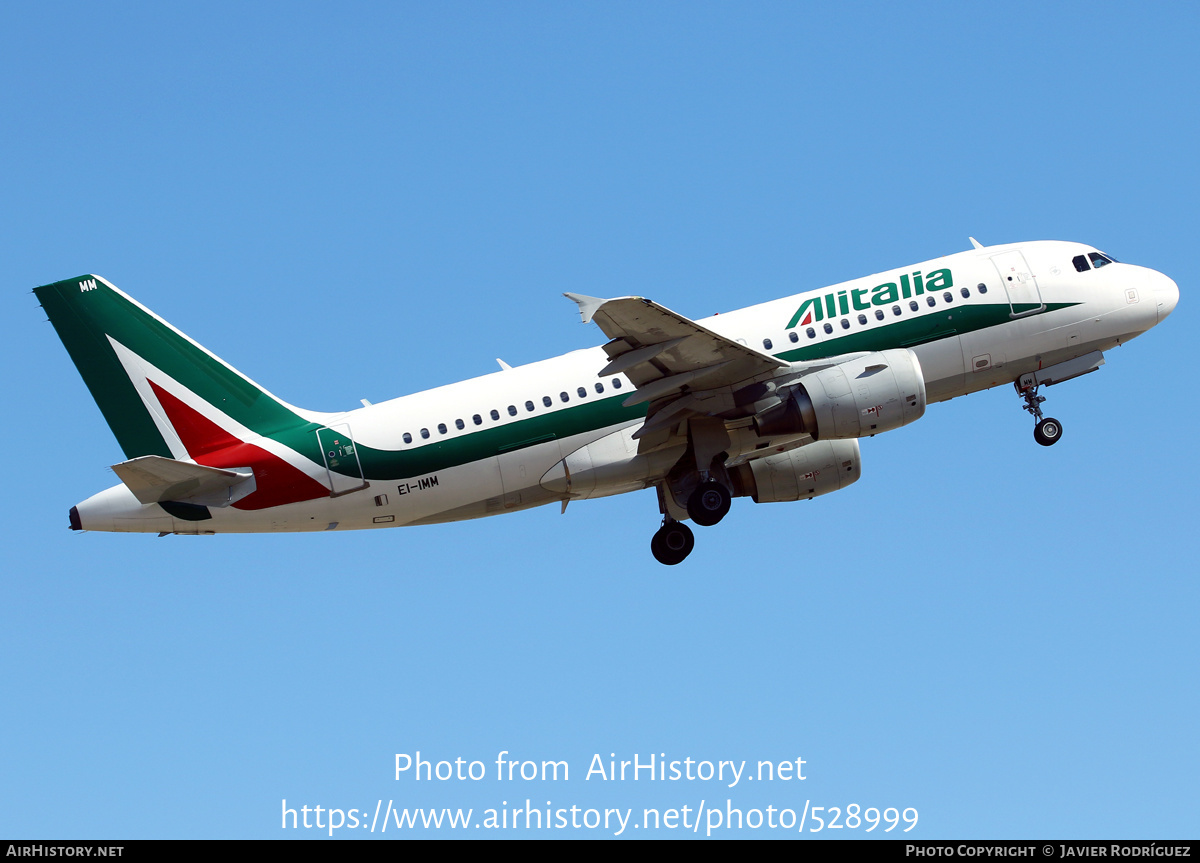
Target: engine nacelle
{"points": [[857, 398], [799, 474]]}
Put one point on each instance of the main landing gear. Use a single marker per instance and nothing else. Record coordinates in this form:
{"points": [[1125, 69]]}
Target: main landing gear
{"points": [[1048, 430], [672, 542], [709, 503], [706, 505], [697, 487]]}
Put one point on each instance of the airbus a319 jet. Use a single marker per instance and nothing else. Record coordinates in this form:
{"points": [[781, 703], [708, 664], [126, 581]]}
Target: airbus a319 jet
{"points": [[767, 402]]}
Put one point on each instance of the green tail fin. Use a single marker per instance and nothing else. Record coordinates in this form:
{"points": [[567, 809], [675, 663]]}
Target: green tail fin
{"points": [[118, 346]]}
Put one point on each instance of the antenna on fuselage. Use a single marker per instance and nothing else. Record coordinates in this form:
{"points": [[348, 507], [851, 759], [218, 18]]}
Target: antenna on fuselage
{"points": [[975, 242]]}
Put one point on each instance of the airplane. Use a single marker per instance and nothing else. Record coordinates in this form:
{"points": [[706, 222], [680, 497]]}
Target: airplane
{"points": [[768, 402]]}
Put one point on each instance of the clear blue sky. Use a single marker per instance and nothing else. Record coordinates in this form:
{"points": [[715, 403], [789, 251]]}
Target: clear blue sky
{"points": [[364, 200]]}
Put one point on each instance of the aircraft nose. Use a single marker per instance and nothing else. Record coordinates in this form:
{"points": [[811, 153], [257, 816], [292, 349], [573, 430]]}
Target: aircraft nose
{"points": [[1166, 295]]}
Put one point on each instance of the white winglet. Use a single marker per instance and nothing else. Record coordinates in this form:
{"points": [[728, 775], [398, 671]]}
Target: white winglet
{"points": [[975, 242], [504, 365], [587, 305]]}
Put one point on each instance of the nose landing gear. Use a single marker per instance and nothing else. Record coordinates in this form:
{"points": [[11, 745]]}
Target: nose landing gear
{"points": [[1048, 430]]}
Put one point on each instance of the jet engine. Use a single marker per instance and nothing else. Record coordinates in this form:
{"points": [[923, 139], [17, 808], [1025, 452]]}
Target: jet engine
{"points": [[799, 474], [862, 396]]}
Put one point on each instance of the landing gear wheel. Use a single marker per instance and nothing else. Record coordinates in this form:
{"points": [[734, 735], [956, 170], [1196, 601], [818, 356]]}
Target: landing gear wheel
{"points": [[709, 503], [672, 543], [1048, 431]]}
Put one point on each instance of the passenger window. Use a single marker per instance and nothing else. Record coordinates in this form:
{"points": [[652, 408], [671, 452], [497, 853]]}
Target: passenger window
{"points": [[564, 397], [1098, 260], [845, 324], [616, 382], [792, 337], [512, 410], [547, 401], [982, 288], [495, 414], [425, 433], [528, 406], [862, 319], [582, 393], [811, 333], [460, 425], [767, 344], [1081, 264], [407, 437], [879, 314], [966, 292], [895, 310], [932, 302], [828, 328], [948, 297], [477, 419], [599, 388], [441, 428], [912, 304]]}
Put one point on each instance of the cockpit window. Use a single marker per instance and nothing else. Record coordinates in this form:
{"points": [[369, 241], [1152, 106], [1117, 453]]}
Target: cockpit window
{"points": [[1081, 263], [1099, 260]]}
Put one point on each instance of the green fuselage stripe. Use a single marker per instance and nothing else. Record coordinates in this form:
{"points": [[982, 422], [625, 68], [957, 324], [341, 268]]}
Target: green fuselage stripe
{"points": [[602, 413], [909, 330], [510, 437]]}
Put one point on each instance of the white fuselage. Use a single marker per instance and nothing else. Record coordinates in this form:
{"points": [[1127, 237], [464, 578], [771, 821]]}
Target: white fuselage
{"points": [[1056, 314]]}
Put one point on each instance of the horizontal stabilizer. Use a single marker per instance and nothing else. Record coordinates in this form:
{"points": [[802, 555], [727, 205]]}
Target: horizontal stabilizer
{"points": [[154, 479]]}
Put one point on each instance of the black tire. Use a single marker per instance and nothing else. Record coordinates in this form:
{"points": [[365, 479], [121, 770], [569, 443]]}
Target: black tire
{"points": [[656, 546], [672, 543], [1048, 432], [709, 503]]}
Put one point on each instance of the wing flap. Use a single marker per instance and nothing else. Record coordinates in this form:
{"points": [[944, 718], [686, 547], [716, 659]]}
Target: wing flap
{"points": [[624, 362]]}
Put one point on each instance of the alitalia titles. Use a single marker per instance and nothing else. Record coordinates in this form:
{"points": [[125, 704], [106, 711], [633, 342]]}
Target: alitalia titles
{"points": [[842, 302]]}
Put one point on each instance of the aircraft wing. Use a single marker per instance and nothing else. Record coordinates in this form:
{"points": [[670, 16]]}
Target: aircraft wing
{"points": [[666, 356], [661, 351], [153, 479]]}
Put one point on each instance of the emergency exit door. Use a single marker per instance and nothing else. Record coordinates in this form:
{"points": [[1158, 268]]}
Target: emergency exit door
{"points": [[1024, 296], [341, 460]]}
